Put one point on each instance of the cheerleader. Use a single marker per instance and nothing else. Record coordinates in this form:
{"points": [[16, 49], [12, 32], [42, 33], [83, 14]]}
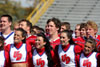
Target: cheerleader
{"points": [[67, 51], [20, 53], [43, 55], [89, 58]]}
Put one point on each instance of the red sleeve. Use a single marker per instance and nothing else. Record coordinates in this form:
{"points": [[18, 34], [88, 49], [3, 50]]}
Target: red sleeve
{"points": [[7, 61], [7, 48], [77, 57], [78, 49], [30, 64], [29, 55]]}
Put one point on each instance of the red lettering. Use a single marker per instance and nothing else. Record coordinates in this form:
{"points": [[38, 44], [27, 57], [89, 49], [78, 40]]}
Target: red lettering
{"points": [[40, 62], [87, 63], [17, 55], [65, 58]]}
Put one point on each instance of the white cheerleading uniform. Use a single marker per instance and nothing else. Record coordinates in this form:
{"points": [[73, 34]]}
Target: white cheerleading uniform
{"points": [[18, 54], [9, 39], [39, 60], [90, 61], [2, 58], [67, 58]]}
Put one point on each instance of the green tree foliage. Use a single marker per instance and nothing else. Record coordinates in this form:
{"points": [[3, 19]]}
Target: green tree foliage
{"points": [[15, 10]]}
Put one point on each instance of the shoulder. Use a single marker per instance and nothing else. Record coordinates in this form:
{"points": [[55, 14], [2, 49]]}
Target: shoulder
{"points": [[31, 37], [78, 49]]}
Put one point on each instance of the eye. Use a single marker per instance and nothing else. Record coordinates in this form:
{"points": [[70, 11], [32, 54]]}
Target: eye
{"points": [[62, 37]]}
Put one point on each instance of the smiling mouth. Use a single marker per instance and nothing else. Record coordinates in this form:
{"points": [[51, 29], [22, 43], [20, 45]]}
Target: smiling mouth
{"points": [[36, 44], [86, 51]]}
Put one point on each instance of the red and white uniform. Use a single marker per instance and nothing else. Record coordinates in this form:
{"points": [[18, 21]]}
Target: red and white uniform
{"points": [[89, 60], [39, 58], [9, 39], [55, 42], [4, 59], [20, 52], [68, 54]]}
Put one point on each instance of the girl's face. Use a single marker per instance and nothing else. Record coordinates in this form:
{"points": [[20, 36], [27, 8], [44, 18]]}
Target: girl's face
{"points": [[64, 38], [83, 32], [39, 42], [88, 48], [77, 31], [18, 36], [46, 28]]}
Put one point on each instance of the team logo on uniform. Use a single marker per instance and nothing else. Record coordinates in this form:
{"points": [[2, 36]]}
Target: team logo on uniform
{"points": [[65, 58]]}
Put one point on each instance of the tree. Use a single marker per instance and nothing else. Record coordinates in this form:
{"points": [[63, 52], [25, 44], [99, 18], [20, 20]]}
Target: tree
{"points": [[15, 10]]}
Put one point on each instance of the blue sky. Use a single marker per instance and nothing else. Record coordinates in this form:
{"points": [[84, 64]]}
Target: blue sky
{"points": [[25, 3]]}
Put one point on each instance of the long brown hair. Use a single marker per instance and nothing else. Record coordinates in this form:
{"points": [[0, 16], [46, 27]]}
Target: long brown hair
{"points": [[2, 42]]}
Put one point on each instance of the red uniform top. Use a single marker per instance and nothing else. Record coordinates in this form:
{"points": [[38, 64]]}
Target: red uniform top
{"points": [[41, 51], [31, 40], [17, 55], [55, 42], [77, 51]]}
